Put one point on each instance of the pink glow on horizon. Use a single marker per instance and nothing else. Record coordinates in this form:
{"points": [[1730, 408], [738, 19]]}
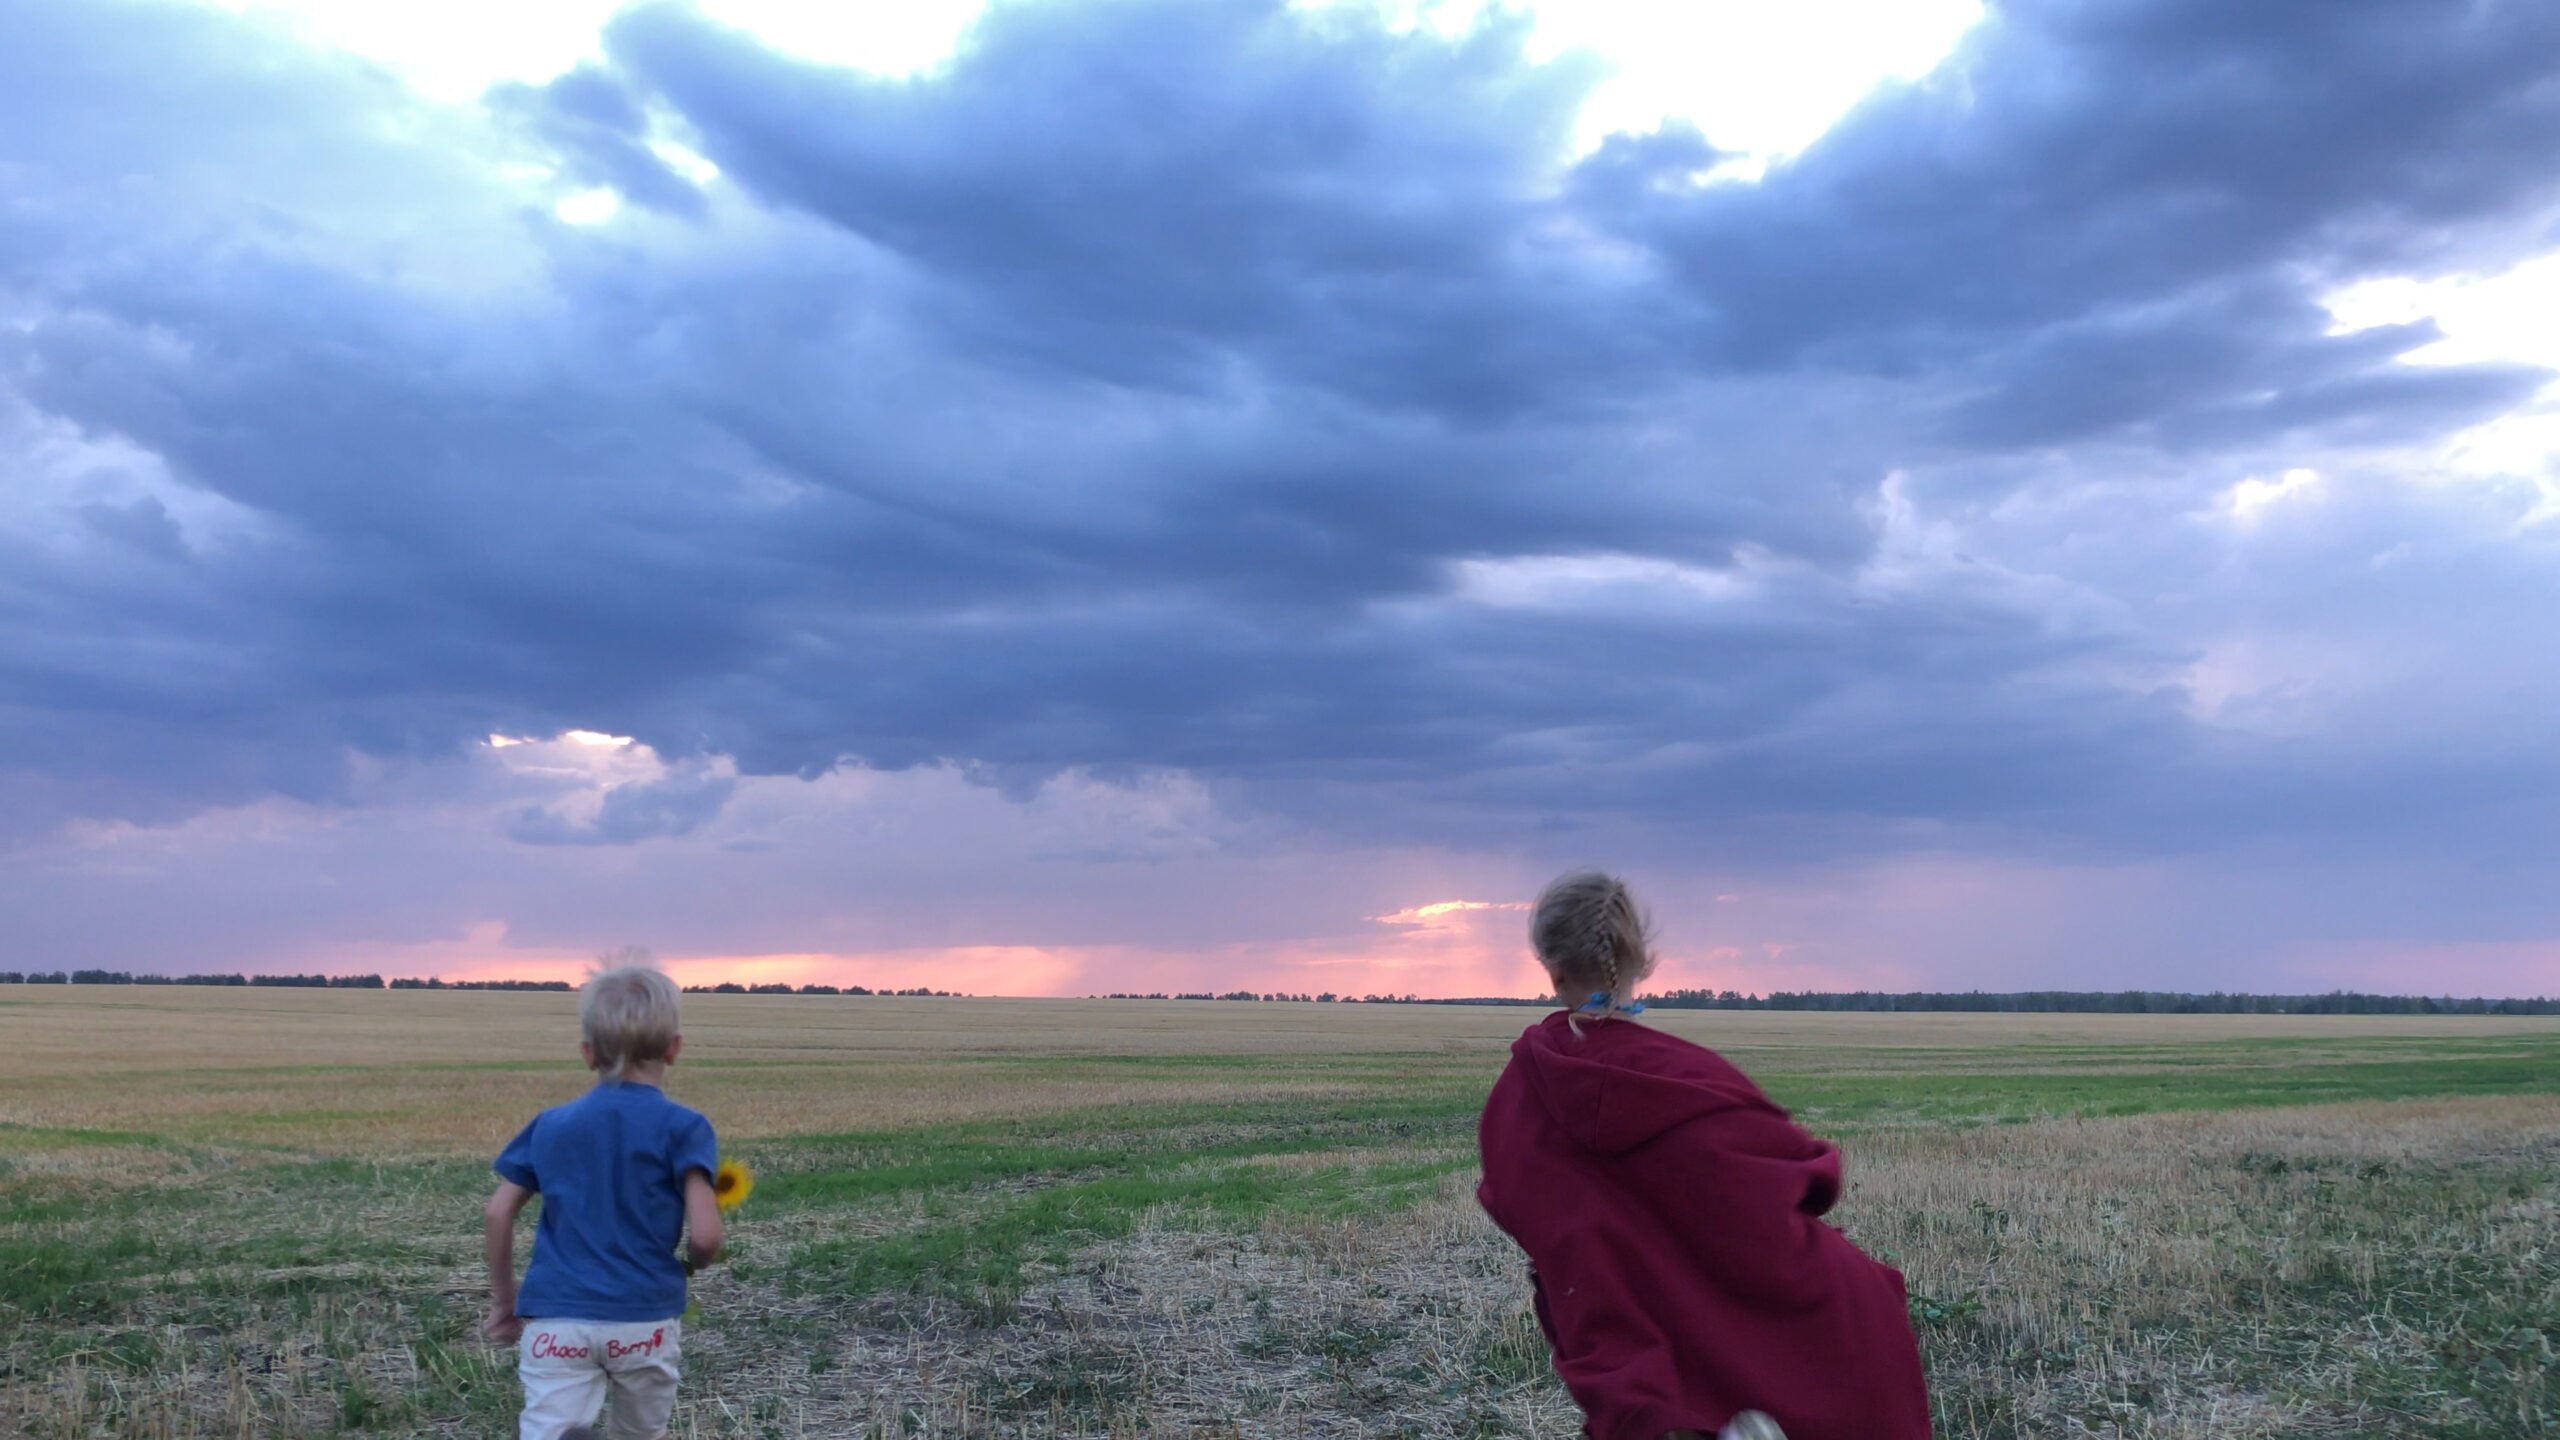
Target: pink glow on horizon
{"points": [[1438, 950]]}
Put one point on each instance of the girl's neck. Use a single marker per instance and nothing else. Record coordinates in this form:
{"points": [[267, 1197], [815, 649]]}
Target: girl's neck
{"points": [[1574, 997]]}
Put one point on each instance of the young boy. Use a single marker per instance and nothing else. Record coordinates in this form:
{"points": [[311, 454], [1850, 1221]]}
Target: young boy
{"points": [[622, 1171]]}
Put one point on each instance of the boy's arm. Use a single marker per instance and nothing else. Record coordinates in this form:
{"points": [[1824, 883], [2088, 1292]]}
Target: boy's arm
{"points": [[498, 1227], [701, 1220]]}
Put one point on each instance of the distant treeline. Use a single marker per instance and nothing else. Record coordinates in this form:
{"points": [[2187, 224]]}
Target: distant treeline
{"points": [[1327, 998], [120, 977], [2021, 1002], [2104, 1002], [2017, 1002], [376, 982], [434, 984], [298, 982], [730, 987]]}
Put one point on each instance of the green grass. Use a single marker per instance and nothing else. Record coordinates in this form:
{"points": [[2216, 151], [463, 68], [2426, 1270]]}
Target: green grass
{"points": [[991, 1197], [2226, 1077]]}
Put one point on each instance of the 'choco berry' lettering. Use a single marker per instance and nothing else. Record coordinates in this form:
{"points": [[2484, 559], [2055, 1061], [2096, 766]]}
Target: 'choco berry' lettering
{"points": [[549, 1346]]}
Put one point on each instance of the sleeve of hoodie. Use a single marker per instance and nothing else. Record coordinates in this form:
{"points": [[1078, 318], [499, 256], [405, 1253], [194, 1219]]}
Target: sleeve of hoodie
{"points": [[1743, 1190]]}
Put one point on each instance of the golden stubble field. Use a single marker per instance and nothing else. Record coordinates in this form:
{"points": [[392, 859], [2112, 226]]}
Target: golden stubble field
{"points": [[253, 1212], [418, 1072]]}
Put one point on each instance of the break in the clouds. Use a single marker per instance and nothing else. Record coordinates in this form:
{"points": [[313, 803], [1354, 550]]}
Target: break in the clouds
{"points": [[1174, 487]]}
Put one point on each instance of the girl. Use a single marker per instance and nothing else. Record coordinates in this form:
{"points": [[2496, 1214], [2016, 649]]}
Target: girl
{"points": [[1669, 1212]]}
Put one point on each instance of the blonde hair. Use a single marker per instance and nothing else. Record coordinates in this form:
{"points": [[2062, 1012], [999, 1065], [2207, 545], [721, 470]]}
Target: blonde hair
{"points": [[627, 1016], [1591, 934]]}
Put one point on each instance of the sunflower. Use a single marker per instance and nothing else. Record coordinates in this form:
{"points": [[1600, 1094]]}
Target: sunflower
{"points": [[731, 1184]]}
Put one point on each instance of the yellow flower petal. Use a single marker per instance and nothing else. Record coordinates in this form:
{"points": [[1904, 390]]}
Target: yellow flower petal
{"points": [[731, 1184]]}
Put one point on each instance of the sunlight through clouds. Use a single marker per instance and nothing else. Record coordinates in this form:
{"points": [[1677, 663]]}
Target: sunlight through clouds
{"points": [[2249, 501], [1763, 81], [2511, 316], [906, 38], [449, 49], [1597, 582], [588, 207], [1445, 914]]}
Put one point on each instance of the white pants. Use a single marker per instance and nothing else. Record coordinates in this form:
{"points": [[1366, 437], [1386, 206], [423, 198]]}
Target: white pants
{"points": [[570, 1369]]}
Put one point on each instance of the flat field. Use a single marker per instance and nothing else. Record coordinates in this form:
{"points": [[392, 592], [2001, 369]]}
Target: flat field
{"points": [[255, 1212]]}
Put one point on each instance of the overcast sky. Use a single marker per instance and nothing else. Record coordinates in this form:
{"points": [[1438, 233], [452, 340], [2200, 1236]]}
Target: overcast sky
{"points": [[1087, 495]]}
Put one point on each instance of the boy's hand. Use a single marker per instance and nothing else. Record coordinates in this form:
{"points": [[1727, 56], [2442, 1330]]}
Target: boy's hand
{"points": [[498, 1220], [701, 1220]]}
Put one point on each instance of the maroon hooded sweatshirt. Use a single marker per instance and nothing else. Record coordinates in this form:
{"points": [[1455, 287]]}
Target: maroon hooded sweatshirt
{"points": [[1669, 1211]]}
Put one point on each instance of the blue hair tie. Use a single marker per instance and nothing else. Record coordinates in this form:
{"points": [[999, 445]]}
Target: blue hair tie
{"points": [[1598, 1004]]}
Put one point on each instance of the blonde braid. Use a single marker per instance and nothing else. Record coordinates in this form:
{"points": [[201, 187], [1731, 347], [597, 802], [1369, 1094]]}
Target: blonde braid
{"points": [[1580, 923]]}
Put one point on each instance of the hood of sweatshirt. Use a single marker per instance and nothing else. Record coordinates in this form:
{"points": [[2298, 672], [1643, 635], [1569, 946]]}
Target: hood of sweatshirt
{"points": [[1616, 1085]]}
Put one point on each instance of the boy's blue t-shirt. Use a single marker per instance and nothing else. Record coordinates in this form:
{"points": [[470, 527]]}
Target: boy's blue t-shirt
{"points": [[610, 1167]]}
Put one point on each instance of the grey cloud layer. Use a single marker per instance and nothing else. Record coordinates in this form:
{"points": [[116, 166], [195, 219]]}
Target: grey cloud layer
{"points": [[1138, 393]]}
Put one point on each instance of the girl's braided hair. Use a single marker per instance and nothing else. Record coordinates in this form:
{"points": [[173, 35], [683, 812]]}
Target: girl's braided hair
{"points": [[1592, 936]]}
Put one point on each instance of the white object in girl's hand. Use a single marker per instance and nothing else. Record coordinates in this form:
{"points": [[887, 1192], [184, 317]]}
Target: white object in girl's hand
{"points": [[1751, 1425]]}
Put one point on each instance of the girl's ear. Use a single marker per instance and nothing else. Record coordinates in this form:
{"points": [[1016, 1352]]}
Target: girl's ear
{"points": [[675, 1047], [587, 1052]]}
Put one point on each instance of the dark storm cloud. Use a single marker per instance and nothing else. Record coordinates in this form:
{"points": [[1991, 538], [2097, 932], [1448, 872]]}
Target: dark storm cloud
{"points": [[1135, 192], [1139, 391], [2221, 364]]}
